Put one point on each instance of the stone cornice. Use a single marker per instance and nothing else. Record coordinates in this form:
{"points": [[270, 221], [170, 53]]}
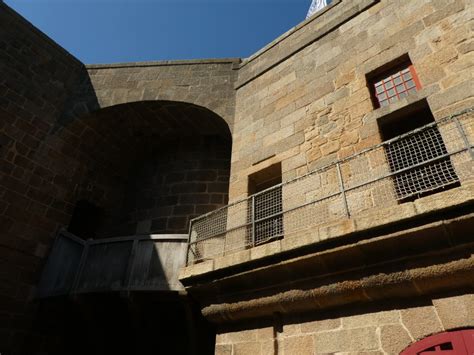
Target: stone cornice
{"points": [[439, 256], [382, 286], [162, 63]]}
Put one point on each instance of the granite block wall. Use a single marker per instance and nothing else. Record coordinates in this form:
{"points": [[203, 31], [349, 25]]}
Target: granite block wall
{"points": [[377, 329], [304, 100]]}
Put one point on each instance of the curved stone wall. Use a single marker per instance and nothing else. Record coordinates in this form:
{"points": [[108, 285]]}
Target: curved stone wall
{"points": [[208, 83], [57, 147]]}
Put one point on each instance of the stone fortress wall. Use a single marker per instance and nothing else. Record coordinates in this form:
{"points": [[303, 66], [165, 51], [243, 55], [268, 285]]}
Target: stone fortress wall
{"points": [[302, 102], [306, 100], [71, 132]]}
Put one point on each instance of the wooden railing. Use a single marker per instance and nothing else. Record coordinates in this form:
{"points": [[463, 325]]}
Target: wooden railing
{"points": [[137, 263]]}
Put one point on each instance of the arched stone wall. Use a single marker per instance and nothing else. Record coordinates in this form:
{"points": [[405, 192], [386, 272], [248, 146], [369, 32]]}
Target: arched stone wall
{"points": [[51, 158], [207, 83], [151, 166]]}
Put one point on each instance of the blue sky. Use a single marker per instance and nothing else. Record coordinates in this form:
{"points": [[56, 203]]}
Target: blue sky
{"points": [[108, 31]]}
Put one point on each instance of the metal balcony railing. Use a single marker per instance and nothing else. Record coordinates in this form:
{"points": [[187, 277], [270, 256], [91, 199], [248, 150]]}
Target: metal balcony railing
{"points": [[434, 157], [138, 263]]}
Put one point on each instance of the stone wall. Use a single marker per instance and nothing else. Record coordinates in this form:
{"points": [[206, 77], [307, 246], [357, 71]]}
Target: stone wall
{"points": [[304, 101], [70, 132], [208, 83], [38, 78], [185, 178], [60, 142], [377, 329]]}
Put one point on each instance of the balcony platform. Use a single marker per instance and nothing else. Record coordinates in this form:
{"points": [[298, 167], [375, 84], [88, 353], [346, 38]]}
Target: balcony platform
{"points": [[124, 264]]}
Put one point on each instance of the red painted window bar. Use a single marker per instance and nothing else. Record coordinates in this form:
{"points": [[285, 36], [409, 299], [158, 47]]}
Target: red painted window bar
{"points": [[395, 85]]}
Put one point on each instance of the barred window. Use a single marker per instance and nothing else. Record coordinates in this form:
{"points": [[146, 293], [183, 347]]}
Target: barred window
{"points": [[265, 210], [419, 162], [392, 84]]}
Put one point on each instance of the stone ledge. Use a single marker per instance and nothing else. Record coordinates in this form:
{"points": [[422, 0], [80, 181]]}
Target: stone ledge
{"points": [[196, 269], [341, 229], [164, 63], [385, 285], [413, 99]]}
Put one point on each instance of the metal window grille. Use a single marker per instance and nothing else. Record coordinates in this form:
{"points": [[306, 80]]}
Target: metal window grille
{"points": [[396, 86], [267, 215], [426, 152], [427, 159]]}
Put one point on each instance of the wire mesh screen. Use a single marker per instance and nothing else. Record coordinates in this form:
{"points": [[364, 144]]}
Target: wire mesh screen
{"points": [[420, 162], [429, 159], [267, 215]]}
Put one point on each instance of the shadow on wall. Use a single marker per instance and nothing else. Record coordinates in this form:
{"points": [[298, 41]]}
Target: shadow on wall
{"points": [[56, 151], [136, 174], [127, 287], [150, 166]]}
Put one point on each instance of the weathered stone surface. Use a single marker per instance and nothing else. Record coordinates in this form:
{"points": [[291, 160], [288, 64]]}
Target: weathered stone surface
{"points": [[455, 312], [265, 333], [359, 339], [303, 101], [242, 336], [303, 345], [421, 321], [320, 325], [246, 348], [265, 250], [197, 269], [223, 349], [394, 338], [232, 259], [371, 319]]}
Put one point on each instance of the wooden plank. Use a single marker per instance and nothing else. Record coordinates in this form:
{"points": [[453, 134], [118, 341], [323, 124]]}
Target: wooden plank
{"points": [[82, 266], [105, 267], [61, 267], [157, 265]]}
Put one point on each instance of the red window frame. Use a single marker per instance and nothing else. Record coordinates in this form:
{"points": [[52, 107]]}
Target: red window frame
{"points": [[395, 84]]}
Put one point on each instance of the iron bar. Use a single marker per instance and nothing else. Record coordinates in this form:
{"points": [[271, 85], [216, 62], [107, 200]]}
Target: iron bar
{"points": [[253, 220], [464, 137], [447, 155], [343, 192], [188, 248]]}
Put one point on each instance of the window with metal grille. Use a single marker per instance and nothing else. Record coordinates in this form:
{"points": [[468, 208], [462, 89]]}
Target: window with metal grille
{"points": [[392, 84], [265, 210], [419, 161]]}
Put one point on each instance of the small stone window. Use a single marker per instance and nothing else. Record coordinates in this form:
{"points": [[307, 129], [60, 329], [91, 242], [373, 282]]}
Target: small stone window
{"points": [[265, 205], [392, 84], [419, 161]]}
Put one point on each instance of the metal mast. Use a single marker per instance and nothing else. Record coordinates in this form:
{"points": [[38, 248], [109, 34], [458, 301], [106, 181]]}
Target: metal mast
{"points": [[316, 5]]}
